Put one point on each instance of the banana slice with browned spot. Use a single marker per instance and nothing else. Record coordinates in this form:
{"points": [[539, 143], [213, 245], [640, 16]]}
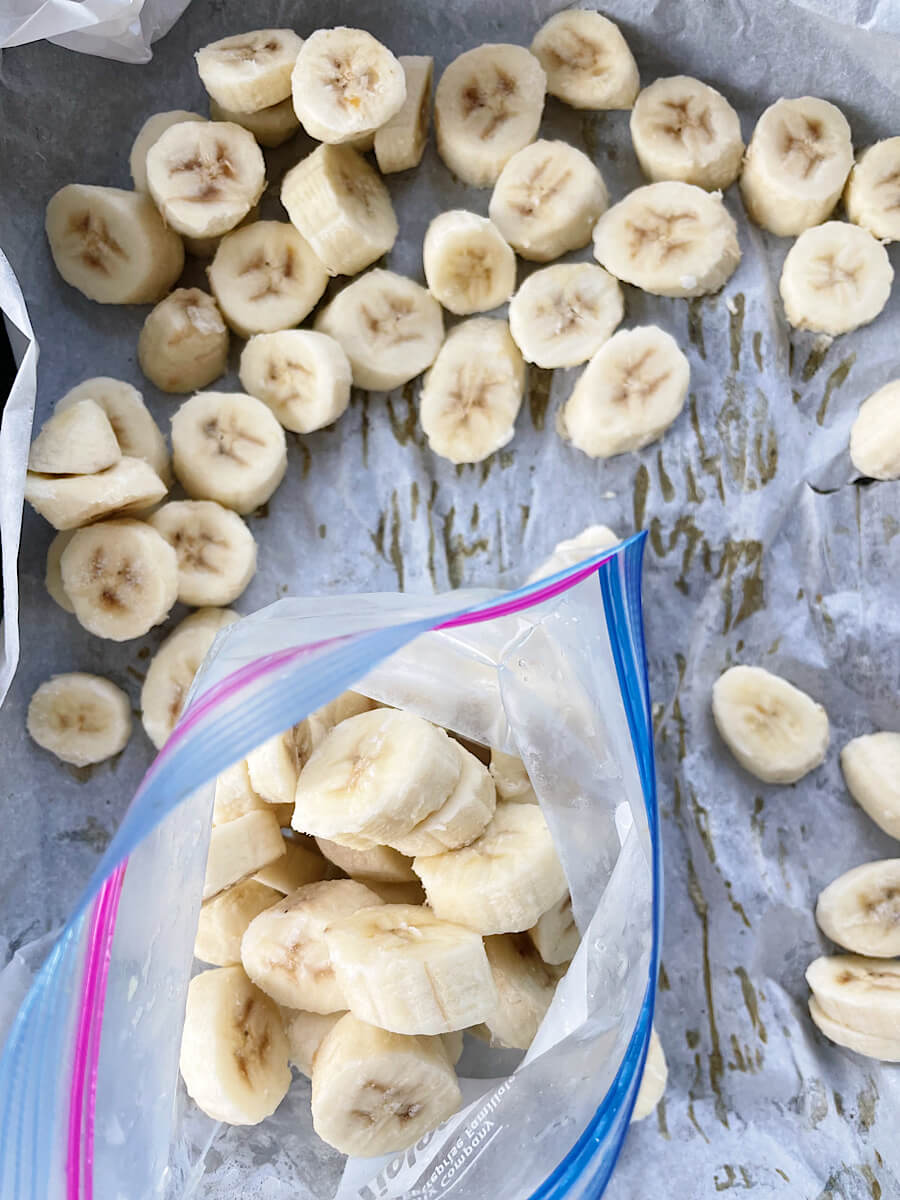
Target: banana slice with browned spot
{"points": [[152, 129], [136, 432], [183, 344], [271, 126], [871, 767], [69, 501], [861, 909], [77, 440], [216, 550], [836, 277], [875, 434], [861, 993], [224, 917], [80, 718], [249, 71], [684, 129], [872, 194], [400, 142], [303, 376], [587, 60], [563, 314], [468, 266]]}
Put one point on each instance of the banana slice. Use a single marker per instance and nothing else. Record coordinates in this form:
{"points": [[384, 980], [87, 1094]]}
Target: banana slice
{"points": [[149, 132], [796, 165], [563, 314], [502, 882], [400, 142], [571, 551], [398, 893], [80, 718], [835, 278], [487, 105], [136, 432], [305, 1033], [78, 440], [235, 796], [304, 377], [206, 177], [249, 71], [227, 446], [670, 239], [472, 395], [872, 194], [183, 344], [240, 848], [234, 1053], [271, 126], [685, 130], [875, 434], [861, 910], [298, 866], [375, 1092], [206, 247], [556, 936], [68, 501], [587, 60], [547, 200], [511, 779], [284, 949], [112, 245], [389, 327], [861, 993], [871, 767], [403, 969], [224, 917], [274, 767], [374, 777], [462, 817], [346, 84], [886, 1049], [173, 667], [342, 208], [525, 988], [775, 731], [321, 722], [381, 864], [216, 551], [628, 395], [468, 266], [653, 1080], [265, 277], [53, 575]]}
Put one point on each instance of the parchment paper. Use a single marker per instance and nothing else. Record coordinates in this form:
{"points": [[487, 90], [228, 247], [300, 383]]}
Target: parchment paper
{"points": [[763, 548]]}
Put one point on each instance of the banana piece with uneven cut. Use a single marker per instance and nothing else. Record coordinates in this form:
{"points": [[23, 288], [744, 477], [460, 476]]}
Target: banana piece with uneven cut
{"points": [[80, 718], [525, 989], [628, 395], [670, 239], [303, 376], [556, 936], [871, 767], [271, 126], [223, 919], [274, 767], [872, 194], [796, 165], [234, 796], [472, 394], [305, 1033], [151, 130], [234, 1053], [462, 817], [875, 434], [861, 910], [487, 105], [861, 993], [502, 882], [547, 200], [78, 440], [375, 1092], [400, 142], [240, 848], [587, 60], [886, 1049], [112, 245], [389, 327], [684, 129], [342, 208], [563, 314], [249, 71], [298, 866], [469, 268], [593, 540], [136, 432], [206, 247], [511, 778], [835, 278], [69, 501], [381, 864], [775, 731], [216, 550], [653, 1080], [348, 704], [53, 575], [183, 343]]}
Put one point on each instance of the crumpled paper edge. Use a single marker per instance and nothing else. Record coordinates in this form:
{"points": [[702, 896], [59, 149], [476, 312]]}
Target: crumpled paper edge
{"points": [[117, 29]]}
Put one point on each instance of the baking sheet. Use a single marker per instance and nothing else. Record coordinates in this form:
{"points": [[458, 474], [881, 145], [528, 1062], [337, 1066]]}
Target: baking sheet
{"points": [[762, 548]]}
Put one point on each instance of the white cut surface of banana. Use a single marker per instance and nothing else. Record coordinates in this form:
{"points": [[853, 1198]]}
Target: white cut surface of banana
{"points": [[381, 864], [234, 1053], [389, 327], [228, 446], [587, 60], [875, 434], [234, 796], [555, 935], [547, 200], [149, 132], [872, 194], [183, 343], [462, 817], [224, 917], [653, 1080], [303, 376], [469, 267], [70, 501], [206, 247], [860, 910], [298, 866], [80, 718], [240, 848], [685, 130], [305, 1033], [215, 548], [670, 239], [249, 71], [400, 142], [835, 277], [796, 165], [775, 731], [511, 779], [628, 395], [274, 767], [321, 722], [271, 126], [341, 206], [78, 440], [487, 105], [871, 767], [112, 245], [886, 1049], [567, 553], [862, 993], [136, 431], [525, 988], [562, 315], [53, 575], [472, 395]]}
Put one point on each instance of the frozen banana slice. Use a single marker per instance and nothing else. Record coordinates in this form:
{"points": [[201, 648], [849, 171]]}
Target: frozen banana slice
{"points": [[305, 1033], [303, 376], [80, 718], [240, 848], [234, 796], [224, 917], [136, 432], [216, 550], [684, 129], [249, 71], [861, 993], [525, 989], [151, 130], [556, 936], [871, 767], [400, 142], [183, 345], [275, 765], [562, 315], [53, 575], [886, 1049], [587, 60], [835, 278], [462, 817], [511, 779], [300, 864], [381, 864], [872, 194], [271, 126], [875, 435], [861, 909], [77, 440], [69, 501], [469, 268]]}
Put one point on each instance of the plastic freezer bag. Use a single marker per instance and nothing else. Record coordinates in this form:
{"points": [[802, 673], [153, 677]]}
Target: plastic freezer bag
{"points": [[92, 1104]]}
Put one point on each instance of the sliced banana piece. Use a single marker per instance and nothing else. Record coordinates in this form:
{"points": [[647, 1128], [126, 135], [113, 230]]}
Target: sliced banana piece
{"points": [[227, 446], [487, 105], [525, 988], [69, 501], [875, 434], [149, 132], [570, 551], [112, 245], [381, 864], [547, 200], [462, 817], [861, 910], [224, 917], [684, 129], [563, 314], [80, 718], [398, 893], [653, 1080], [342, 208], [862, 993], [53, 575], [871, 767], [234, 1053], [77, 440], [271, 126], [136, 432], [321, 722], [453, 1046], [511, 778], [587, 60], [274, 767], [305, 1033], [298, 866], [670, 239], [468, 266], [775, 731], [303, 376], [872, 194], [835, 278], [206, 247], [240, 848], [249, 71], [400, 142], [796, 165], [556, 936], [234, 796], [216, 551], [389, 327], [886, 1049], [472, 395], [183, 344], [628, 395]]}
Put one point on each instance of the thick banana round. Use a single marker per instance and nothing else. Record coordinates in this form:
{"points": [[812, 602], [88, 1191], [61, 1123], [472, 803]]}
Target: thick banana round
{"points": [[240, 848], [862, 993], [76, 440], [653, 1080], [68, 501], [234, 796], [80, 718], [684, 129], [150, 131], [469, 268], [249, 71], [183, 344], [304, 377], [525, 989], [835, 278], [562, 315], [321, 722], [53, 575], [381, 864], [462, 817], [305, 1033], [872, 194], [400, 142], [587, 60], [555, 935], [275, 765], [136, 432], [271, 126], [224, 917], [871, 767], [216, 551], [861, 909], [886, 1049], [875, 434], [570, 551]]}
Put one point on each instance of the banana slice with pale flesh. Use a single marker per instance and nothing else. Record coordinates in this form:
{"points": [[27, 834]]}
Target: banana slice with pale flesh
{"points": [[53, 575], [555, 935], [303, 376], [875, 434], [462, 817], [562, 315], [300, 864], [872, 194], [885, 1049], [80, 718], [234, 796], [587, 60], [348, 704], [570, 551], [684, 129], [835, 278], [224, 918], [861, 993], [240, 848], [274, 767], [468, 266], [216, 550], [249, 71], [76, 440], [511, 779], [70, 501], [271, 126], [183, 343], [653, 1080], [400, 142], [861, 910], [398, 893], [381, 864], [305, 1033], [525, 988], [151, 130], [871, 767], [136, 431]]}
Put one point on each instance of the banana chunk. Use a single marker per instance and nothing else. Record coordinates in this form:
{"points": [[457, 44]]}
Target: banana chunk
{"points": [[69, 501], [249, 71], [234, 1053], [875, 434], [304, 377], [861, 910], [861, 993], [234, 796], [796, 165], [525, 989], [400, 142], [670, 239], [298, 866], [381, 864], [775, 731], [227, 446], [375, 1092], [183, 344], [472, 395], [224, 917], [389, 328], [216, 551], [53, 574], [136, 432], [547, 200], [80, 718], [511, 778], [271, 126], [653, 1080], [112, 245], [684, 129], [556, 936], [469, 268], [872, 194], [348, 704], [587, 60], [398, 893], [77, 440], [835, 278], [305, 1033], [462, 817], [628, 395], [240, 848], [563, 314], [487, 105], [871, 767], [151, 130], [274, 767], [571, 551], [886, 1049]]}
